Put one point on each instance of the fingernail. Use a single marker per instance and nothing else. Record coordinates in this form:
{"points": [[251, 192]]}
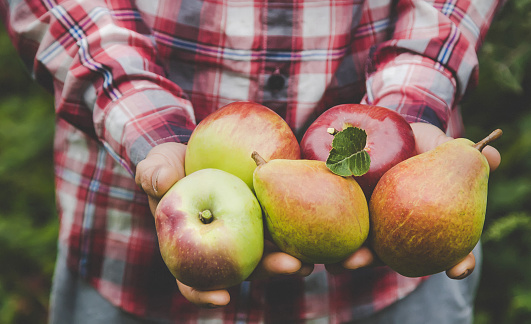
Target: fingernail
{"points": [[358, 261], [463, 275], [291, 266], [154, 181]]}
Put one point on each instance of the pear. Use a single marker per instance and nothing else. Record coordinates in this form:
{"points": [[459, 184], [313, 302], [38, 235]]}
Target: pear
{"points": [[427, 212], [311, 213]]}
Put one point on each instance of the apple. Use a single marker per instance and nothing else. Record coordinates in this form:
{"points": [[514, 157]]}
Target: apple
{"points": [[226, 139], [390, 138], [210, 230]]}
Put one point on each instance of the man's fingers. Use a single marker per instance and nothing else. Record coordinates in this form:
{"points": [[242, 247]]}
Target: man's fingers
{"points": [[463, 269], [493, 157], [280, 263], [208, 299], [363, 257], [162, 167], [428, 137]]}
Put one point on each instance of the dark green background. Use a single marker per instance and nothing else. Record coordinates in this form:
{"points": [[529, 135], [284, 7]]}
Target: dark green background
{"points": [[28, 224]]}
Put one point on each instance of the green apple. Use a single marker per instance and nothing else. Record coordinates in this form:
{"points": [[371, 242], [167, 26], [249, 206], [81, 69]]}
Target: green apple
{"points": [[226, 139], [210, 230]]}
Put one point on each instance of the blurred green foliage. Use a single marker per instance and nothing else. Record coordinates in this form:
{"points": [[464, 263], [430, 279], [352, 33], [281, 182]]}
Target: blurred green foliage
{"points": [[503, 100], [28, 221]]}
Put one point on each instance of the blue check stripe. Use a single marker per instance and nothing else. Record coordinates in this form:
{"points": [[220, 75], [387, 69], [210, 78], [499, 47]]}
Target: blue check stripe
{"points": [[125, 14], [446, 50], [249, 55], [75, 30], [449, 9], [89, 212], [373, 28]]}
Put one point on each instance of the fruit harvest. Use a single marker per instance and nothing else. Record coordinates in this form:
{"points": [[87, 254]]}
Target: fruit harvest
{"points": [[360, 181]]}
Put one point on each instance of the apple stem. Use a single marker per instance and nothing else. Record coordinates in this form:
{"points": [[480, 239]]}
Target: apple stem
{"points": [[258, 159], [492, 137], [332, 131], [206, 216]]}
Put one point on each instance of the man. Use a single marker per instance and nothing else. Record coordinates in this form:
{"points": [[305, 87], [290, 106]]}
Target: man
{"points": [[132, 78]]}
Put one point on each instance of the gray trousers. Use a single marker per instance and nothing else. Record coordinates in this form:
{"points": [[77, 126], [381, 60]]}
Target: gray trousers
{"points": [[438, 300]]}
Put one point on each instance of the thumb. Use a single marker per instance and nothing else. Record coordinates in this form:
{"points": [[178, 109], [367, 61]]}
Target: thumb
{"points": [[162, 167], [427, 136]]}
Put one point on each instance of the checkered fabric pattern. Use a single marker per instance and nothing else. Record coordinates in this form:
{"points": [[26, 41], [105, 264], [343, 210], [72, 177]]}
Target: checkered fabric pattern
{"points": [[128, 75]]}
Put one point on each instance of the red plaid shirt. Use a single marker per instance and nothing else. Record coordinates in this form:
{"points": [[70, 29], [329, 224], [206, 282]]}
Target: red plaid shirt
{"points": [[128, 75]]}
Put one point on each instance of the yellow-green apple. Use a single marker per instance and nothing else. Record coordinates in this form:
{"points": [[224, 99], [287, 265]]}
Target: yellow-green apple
{"points": [[427, 212], [389, 138], [210, 230], [226, 139], [311, 213]]}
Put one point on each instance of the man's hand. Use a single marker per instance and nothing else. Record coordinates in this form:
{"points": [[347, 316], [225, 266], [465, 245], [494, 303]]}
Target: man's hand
{"points": [[164, 166], [427, 137], [273, 263]]}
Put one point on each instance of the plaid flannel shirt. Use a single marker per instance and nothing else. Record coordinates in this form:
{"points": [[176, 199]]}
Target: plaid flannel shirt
{"points": [[128, 75]]}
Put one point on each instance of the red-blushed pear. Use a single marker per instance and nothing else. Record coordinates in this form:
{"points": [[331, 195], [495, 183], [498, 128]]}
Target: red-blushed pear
{"points": [[427, 212], [311, 213], [226, 139], [210, 230], [389, 138]]}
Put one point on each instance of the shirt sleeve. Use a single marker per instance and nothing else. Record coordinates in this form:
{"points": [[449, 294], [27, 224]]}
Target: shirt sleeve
{"points": [[99, 60], [430, 60]]}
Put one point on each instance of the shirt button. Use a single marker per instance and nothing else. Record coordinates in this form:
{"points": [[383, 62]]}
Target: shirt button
{"points": [[276, 81]]}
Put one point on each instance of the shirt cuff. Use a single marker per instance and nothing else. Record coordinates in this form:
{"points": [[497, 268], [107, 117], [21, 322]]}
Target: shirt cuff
{"points": [[414, 86], [143, 117]]}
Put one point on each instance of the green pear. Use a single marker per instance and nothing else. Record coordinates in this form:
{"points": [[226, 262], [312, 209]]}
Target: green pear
{"points": [[427, 212], [311, 213]]}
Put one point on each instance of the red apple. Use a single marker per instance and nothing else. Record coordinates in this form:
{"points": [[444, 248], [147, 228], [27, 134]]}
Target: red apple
{"points": [[226, 139], [390, 139]]}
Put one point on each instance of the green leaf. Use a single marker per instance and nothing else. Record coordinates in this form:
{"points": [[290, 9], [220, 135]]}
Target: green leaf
{"points": [[347, 156]]}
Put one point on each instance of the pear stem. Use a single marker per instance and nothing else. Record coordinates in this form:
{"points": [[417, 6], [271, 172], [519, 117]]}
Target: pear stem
{"points": [[206, 216], [258, 159], [332, 131], [492, 137]]}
